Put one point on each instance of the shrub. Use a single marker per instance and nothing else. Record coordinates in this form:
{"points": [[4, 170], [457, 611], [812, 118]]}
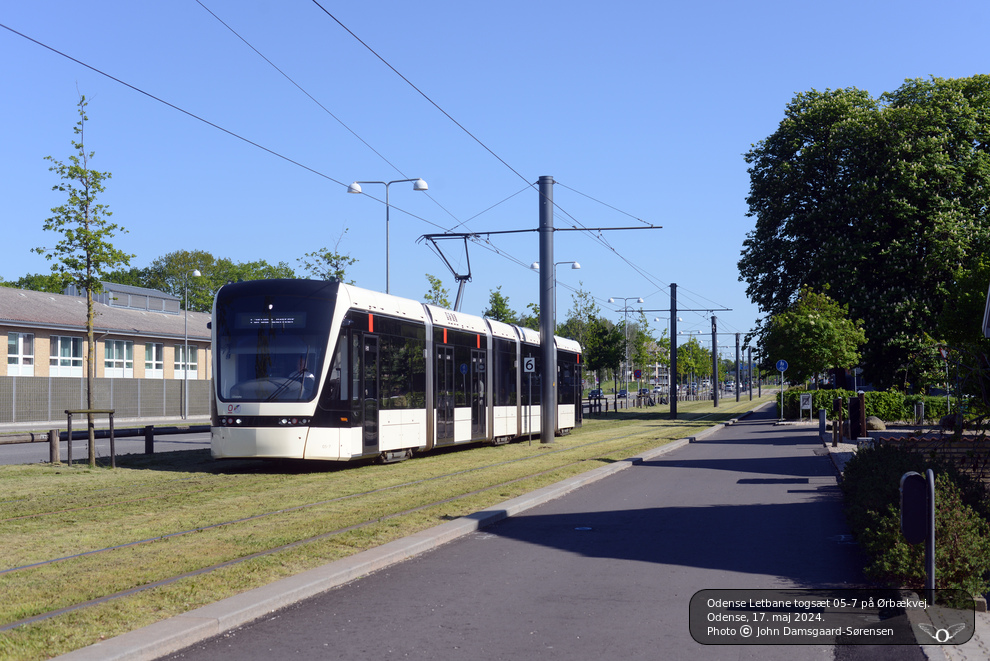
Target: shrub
{"points": [[871, 489], [885, 405], [962, 546], [934, 406]]}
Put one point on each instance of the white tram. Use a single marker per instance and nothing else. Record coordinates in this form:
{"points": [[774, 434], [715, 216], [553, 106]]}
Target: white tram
{"points": [[311, 369]]}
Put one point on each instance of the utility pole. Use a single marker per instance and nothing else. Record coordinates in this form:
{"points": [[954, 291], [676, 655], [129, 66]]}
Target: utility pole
{"points": [[738, 382], [548, 382], [715, 381], [672, 380]]}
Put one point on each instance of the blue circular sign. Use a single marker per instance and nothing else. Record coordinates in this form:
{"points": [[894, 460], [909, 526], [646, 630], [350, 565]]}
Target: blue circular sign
{"points": [[781, 365], [464, 368]]}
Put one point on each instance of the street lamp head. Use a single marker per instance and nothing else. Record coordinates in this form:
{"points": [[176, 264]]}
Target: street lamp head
{"points": [[640, 300], [419, 184], [354, 188], [611, 300], [196, 273], [535, 266], [575, 266]]}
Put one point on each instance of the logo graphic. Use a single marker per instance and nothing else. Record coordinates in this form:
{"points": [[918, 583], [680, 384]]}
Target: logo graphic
{"points": [[942, 635]]}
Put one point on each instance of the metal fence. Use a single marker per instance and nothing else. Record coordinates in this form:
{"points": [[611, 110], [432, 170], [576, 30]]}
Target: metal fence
{"points": [[40, 399]]}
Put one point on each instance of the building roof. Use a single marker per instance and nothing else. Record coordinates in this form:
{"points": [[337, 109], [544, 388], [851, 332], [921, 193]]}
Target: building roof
{"points": [[24, 308]]}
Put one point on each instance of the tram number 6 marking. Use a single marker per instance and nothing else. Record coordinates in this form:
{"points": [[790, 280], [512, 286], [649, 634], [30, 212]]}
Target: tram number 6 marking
{"points": [[529, 364]]}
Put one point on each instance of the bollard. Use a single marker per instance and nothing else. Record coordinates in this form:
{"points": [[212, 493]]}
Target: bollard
{"points": [[69, 436], [54, 451], [855, 428], [149, 439], [837, 430]]}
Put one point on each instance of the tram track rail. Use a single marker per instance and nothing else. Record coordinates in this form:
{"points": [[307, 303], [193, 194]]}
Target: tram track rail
{"points": [[352, 521]]}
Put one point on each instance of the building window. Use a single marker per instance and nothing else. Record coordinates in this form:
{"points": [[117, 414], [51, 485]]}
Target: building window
{"points": [[182, 365], [20, 354], [118, 359], [154, 361], [66, 356]]}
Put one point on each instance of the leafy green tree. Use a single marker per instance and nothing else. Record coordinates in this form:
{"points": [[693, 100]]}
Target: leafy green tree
{"points": [[583, 310], [813, 335], [693, 360], [438, 294], [47, 282], [498, 307], [531, 320], [883, 199], [133, 276], [84, 253], [604, 347], [641, 352], [326, 264], [173, 274]]}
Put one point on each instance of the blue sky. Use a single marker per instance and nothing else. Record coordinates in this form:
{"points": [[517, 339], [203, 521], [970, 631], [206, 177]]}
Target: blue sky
{"points": [[641, 111]]}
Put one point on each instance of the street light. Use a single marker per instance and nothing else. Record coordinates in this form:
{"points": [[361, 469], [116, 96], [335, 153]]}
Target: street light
{"points": [[418, 184], [574, 267], [639, 299], [185, 341]]}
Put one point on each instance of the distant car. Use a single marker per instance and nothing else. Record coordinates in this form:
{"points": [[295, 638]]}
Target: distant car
{"points": [[623, 393], [657, 389], [595, 394], [644, 392]]}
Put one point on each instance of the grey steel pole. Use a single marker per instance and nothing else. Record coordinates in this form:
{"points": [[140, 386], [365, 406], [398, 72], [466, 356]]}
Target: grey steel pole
{"points": [[930, 537], [388, 288], [548, 389], [715, 382], [671, 381], [738, 382], [185, 344], [750, 373]]}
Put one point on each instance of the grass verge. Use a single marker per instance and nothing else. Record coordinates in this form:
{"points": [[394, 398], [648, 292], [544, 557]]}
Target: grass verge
{"points": [[156, 517]]}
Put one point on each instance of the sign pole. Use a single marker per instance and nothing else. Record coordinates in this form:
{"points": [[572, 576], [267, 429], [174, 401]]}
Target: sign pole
{"points": [[781, 367]]}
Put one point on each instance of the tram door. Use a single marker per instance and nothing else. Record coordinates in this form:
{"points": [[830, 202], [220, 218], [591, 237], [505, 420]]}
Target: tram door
{"points": [[479, 408], [445, 393], [370, 388]]}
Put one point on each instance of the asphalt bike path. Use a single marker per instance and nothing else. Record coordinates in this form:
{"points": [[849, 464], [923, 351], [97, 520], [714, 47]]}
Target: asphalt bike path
{"points": [[606, 570]]}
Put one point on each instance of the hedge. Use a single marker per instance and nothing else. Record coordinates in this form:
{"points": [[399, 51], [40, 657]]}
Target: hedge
{"points": [[888, 406]]}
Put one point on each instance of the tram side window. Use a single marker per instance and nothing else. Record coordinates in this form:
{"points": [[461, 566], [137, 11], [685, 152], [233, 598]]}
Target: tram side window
{"points": [[504, 375], [568, 378], [403, 372], [340, 385]]}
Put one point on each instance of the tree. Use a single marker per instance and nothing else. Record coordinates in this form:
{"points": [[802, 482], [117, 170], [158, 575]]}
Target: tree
{"points": [[531, 320], [438, 294], [814, 335], [498, 307], [172, 273], [84, 254], [604, 347], [583, 310], [885, 199], [326, 264], [641, 351], [47, 282]]}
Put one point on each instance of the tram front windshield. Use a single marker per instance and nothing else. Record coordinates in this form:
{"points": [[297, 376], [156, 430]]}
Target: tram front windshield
{"points": [[270, 347]]}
